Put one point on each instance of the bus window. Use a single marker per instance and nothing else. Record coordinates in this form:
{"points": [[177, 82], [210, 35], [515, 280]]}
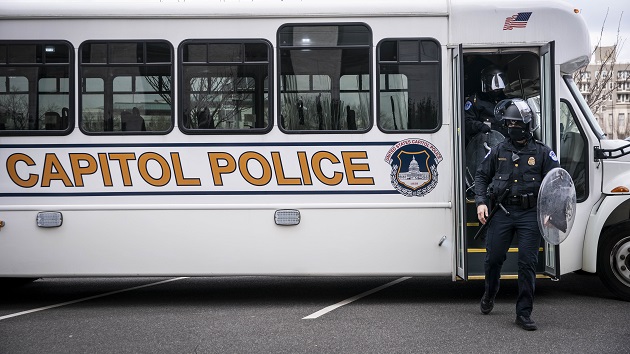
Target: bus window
{"points": [[325, 77], [126, 87], [409, 85], [573, 150], [225, 86], [35, 88]]}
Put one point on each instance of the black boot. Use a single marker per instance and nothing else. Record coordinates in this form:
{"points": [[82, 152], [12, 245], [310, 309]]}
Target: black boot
{"points": [[487, 304], [526, 323]]}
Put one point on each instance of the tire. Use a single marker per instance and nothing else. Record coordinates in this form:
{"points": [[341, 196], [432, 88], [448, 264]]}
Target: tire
{"points": [[613, 259]]}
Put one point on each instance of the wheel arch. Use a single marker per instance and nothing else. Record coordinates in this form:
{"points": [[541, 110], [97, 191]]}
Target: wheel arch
{"points": [[613, 259], [612, 210]]}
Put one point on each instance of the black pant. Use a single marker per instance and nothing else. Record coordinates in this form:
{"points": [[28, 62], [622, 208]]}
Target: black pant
{"points": [[498, 239]]}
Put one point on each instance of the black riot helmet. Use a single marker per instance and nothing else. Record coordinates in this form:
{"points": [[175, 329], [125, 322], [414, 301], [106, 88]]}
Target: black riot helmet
{"points": [[493, 79], [516, 109]]}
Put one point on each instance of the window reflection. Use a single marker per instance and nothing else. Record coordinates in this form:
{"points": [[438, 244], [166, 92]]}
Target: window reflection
{"points": [[225, 86], [325, 78], [409, 85], [132, 93], [35, 88]]}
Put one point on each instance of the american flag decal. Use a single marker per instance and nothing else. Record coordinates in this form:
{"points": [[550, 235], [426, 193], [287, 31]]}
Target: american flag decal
{"points": [[517, 21]]}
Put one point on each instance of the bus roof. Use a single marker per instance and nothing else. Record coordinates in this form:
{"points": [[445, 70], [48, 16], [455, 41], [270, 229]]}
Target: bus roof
{"points": [[492, 23], [219, 8], [258, 8], [471, 22]]}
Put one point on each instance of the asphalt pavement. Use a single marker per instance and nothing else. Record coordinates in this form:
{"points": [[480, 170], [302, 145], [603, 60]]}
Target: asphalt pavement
{"points": [[271, 315]]}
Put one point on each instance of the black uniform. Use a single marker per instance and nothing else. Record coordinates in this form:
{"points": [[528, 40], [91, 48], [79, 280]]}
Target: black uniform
{"points": [[520, 169], [478, 111]]}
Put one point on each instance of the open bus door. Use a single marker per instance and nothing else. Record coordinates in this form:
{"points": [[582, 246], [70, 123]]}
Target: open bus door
{"points": [[458, 151], [548, 135], [537, 86]]}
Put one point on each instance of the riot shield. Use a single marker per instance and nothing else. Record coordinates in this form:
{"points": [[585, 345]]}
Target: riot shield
{"points": [[556, 206], [476, 150]]}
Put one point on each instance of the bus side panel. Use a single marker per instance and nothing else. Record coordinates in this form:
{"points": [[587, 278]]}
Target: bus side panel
{"points": [[227, 242], [610, 209], [136, 221]]}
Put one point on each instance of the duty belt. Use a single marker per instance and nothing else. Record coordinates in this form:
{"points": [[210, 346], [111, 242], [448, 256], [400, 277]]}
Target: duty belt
{"points": [[525, 201], [513, 200]]}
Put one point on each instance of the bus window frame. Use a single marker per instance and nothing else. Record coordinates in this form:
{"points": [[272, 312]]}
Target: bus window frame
{"points": [[109, 66], [583, 106], [584, 153], [181, 92], [71, 86], [440, 117], [278, 91]]}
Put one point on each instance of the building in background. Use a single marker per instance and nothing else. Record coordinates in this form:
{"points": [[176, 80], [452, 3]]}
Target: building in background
{"points": [[605, 84]]}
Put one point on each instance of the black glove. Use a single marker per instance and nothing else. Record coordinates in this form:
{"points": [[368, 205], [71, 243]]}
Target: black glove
{"points": [[485, 128]]}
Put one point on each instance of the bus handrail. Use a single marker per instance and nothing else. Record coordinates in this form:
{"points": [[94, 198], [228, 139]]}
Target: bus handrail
{"points": [[601, 154]]}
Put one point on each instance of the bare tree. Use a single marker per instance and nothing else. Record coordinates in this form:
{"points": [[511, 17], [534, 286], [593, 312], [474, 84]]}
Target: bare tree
{"points": [[223, 98], [14, 110], [600, 86], [162, 85]]}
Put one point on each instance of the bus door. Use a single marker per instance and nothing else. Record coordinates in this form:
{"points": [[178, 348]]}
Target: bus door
{"points": [[532, 74], [458, 149], [548, 134]]}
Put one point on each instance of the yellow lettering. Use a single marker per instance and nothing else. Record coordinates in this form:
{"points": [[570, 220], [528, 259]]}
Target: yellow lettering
{"points": [[280, 177], [217, 169], [242, 165], [179, 172], [306, 173], [123, 161], [317, 168], [105, 172], [53, 170], [347, 157], [143, 161], [12, 170], [78, 171]]}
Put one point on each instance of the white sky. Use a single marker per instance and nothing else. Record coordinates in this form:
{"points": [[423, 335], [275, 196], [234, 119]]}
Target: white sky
{"points": [[594, 12]]}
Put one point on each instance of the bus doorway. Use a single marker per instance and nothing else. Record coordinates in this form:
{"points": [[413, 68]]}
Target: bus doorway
{"points": [[522, 71]]}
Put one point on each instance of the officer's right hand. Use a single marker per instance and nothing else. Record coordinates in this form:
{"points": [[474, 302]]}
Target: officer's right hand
{"points": [[485, 128], [482, 213]]}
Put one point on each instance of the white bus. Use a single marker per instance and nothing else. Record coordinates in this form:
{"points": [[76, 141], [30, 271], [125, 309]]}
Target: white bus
{"points": [[290, 137]]}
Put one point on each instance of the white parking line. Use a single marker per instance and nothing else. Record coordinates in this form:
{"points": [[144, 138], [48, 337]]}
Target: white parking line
{"points": [[354, 298], [87, 298]]}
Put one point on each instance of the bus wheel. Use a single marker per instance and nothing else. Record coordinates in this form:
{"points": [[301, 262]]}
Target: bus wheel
{"points": [[613, 259]]}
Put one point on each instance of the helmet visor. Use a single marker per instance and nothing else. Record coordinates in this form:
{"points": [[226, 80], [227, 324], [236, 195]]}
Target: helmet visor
{"points": [[513, 109], [493, 81], [524, 110]]}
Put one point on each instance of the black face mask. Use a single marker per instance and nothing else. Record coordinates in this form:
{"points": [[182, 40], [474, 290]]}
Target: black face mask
{"points": [[518, 134], [495, 95]]}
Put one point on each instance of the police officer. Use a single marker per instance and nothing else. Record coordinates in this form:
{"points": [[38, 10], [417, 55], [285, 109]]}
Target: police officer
{"points": [[479, 107], [517, 164]]}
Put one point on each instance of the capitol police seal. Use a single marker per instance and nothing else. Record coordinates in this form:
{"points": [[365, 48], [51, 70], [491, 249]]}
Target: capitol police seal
{"points": [[414, 167]]}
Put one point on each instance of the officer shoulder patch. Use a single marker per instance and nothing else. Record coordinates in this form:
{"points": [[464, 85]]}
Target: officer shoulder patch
{"points": [[468, 105], [553, 155]]}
